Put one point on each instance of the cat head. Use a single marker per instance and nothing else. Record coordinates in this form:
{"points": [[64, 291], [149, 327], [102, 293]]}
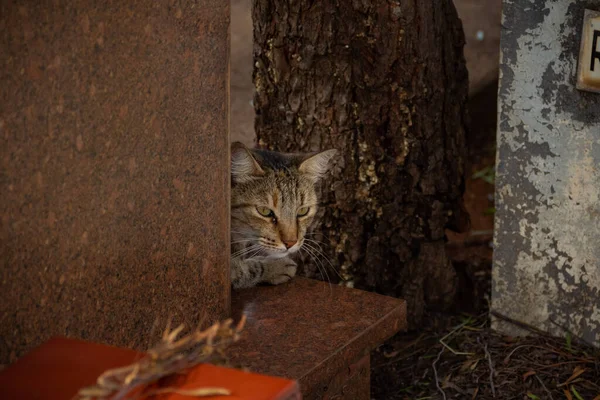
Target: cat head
{"points": [[273, 199]]}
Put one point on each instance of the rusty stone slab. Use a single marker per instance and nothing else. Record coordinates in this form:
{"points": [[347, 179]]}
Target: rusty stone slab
{"points": [[314, 332], [546, 253], [113, 169]]}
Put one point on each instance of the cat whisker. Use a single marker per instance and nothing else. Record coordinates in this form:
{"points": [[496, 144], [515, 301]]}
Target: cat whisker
{"points": [[319, 267], [318, 234], [255, 253], [244, 251], [242, 232], [242, 241], [316, 242], [235, 253], [319, 264], [319, 252], [242, 236]]}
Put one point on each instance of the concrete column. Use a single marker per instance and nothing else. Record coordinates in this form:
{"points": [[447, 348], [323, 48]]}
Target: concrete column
{"points": [[547, 245]]}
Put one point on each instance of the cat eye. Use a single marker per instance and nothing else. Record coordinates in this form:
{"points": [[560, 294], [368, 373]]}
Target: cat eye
{"points": [[265, 211], [303, 211]]}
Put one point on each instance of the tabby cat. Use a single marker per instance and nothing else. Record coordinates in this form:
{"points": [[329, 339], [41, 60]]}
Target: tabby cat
{"points": [[273, 202]]}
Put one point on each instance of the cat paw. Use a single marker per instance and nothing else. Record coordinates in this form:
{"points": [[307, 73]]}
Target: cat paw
{"points": [[280, 271]]}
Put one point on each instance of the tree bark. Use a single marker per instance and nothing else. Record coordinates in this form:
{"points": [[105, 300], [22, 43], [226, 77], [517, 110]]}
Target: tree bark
{"points": [[385, 83]]}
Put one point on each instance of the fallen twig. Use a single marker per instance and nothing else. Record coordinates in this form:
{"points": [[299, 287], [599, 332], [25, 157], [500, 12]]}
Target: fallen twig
{"points": [[489, 358], [544, 386], [453, 331], [435, 374]]}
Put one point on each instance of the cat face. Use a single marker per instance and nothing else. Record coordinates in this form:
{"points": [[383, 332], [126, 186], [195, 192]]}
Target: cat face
{"points": [[273, 200]]}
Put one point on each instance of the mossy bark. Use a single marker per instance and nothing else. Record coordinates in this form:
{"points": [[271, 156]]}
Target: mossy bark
{"points": [[385, 83]]}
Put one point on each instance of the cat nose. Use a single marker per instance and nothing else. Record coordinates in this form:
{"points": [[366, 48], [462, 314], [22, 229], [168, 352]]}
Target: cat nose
{"points": [[289, 243]]}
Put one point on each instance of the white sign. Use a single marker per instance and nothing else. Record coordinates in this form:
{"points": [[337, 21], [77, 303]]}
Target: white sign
{"points": [[588, 71]]}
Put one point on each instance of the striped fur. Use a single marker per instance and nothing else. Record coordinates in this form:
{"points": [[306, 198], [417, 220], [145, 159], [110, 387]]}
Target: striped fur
{"points": [[273, 202]]}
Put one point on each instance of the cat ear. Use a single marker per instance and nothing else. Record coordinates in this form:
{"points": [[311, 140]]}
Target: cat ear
{"points": [[243, 165], [317, 165]]}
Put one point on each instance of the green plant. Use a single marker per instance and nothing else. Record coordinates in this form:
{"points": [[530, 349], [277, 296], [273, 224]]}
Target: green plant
{"points": [[487, 174]]}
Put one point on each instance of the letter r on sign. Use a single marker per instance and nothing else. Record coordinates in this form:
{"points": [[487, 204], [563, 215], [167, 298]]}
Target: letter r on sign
{"points": [[595, 50]]}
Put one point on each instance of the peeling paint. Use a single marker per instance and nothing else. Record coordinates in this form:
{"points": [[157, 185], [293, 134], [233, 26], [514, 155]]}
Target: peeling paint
{"points": [[546, 260]]}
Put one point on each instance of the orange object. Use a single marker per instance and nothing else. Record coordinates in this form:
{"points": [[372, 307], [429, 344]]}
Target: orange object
{"points": [[57, 369]]}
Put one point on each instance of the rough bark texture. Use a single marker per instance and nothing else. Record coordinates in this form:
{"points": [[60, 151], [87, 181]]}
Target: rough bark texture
{"points": [[385, 83]]}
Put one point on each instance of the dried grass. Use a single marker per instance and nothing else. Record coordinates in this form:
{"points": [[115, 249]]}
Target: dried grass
{"points": [[170, 356], [467, 360]]}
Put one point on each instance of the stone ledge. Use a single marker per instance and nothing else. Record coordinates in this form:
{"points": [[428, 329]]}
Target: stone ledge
{"points": [[318, 334]]}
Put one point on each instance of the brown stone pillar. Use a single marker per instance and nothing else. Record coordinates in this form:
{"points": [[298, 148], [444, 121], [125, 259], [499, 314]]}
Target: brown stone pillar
{"points": [[114, 174]]}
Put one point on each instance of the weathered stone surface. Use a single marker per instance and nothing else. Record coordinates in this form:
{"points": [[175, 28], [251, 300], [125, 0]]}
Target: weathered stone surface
{"points": [[548, 186], [114, 168]]}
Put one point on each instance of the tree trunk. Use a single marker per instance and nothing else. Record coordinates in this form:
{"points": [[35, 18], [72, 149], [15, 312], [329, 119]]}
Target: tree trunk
{"points": [[385, 83]]}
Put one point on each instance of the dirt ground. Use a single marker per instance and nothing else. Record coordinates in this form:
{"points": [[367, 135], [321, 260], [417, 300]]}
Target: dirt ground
{"points": [[455, 355]]}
